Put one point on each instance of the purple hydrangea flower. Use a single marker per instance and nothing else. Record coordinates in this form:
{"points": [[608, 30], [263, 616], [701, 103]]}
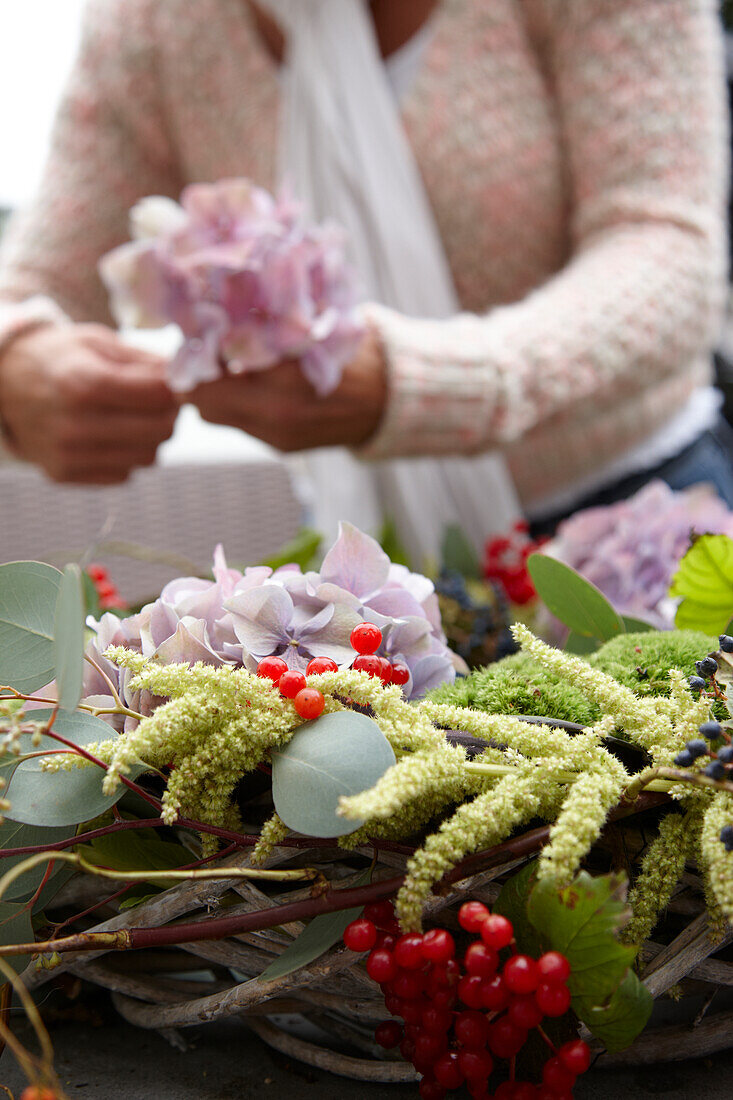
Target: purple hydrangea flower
{"points": [[245, 280]]}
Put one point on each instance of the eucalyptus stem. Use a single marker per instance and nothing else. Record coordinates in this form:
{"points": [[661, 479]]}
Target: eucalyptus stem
{"points": [[663, 779]]}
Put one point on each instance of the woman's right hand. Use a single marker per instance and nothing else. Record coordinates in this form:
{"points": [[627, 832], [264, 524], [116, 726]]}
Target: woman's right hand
{"points": [[85, 407]]}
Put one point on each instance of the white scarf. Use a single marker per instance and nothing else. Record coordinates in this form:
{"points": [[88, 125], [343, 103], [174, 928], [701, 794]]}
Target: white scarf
{"points": [[346, 157]]}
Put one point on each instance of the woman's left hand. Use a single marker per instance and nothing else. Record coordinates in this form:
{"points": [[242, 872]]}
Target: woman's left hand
{"points": [[279, 405]]}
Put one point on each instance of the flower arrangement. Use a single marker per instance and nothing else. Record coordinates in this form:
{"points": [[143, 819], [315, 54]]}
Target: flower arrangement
{"points": [[244, 277], [242, 754]]}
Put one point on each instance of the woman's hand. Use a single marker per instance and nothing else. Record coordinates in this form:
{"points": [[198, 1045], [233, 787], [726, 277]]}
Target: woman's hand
{"points": [[279, 405], [78, 402]]}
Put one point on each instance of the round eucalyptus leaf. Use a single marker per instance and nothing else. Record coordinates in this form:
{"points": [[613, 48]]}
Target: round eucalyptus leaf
{"points": [[572, 599], [28, 593], [69, 638], [13, 834], [55, 799], [337, 754]]}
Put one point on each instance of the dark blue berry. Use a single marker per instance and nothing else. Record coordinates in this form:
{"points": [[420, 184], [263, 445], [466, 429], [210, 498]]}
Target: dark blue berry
{"points": [[697, 683], [714, 770], [696, 748], [726, 836], [711, 730], [707, 667], [726, 643], [684, 759], [725, 755]]}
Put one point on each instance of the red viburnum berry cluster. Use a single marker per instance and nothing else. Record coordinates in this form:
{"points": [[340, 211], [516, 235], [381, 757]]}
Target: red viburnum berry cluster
{"points": [[505, 561], [460, 1017], [309, 702], [107, 592]]}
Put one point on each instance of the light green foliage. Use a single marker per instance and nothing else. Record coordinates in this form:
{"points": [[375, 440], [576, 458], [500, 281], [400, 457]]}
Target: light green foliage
{"points": [[661, 868], [642, 661]]}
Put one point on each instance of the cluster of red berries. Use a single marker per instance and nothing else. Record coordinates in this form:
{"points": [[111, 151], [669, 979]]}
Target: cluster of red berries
{"points": [[309, 702], [458, 1018], [505, 561], [107, 592]]}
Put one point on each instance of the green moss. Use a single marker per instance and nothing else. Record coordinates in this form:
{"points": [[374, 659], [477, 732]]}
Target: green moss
{"points": [[518, 685]]}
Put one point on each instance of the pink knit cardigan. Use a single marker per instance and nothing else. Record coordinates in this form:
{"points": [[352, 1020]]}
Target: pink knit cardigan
{"points": [[574, 155]]}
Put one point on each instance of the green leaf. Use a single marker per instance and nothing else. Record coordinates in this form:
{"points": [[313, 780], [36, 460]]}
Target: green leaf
{"points": [[299, 551], [582, 921], [137, 850], [338, 754], [457, 553], [317, 936], [580, 645], [390, 542], [704, 580], [618, 1022], [15, 927], [13, 834], [512, 904], [69, 638], [55, 799], [573, 599], [636, 626], [28, 592]]}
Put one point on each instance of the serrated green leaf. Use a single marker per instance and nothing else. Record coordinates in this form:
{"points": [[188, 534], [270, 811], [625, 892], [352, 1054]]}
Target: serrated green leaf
{"points": [[318, 936], [572, 599], [626, 1014], [512, 904], [28, 592], [13, 834], [704, 580], [69, 638], [338, 754], [457, 553], [56, 799]]}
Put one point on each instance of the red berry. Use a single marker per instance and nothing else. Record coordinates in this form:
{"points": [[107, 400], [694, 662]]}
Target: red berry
{"points": [[443, 976], [411, 1012], [400, 674], [385, 670], [381, 966], [575, 1056], [436, 1020], [429, 1046], [472, 915], [368, 663], [557, 1076], [494, 994], [438, 945], [525, 1012], [388, 1034], [412, 1031], [430, 1089], [475, 1065], [447, 1071], [554, 968], [497, 931], [445, 998], [553, 1000], [523, 1090], [319, 665], [384, 939], [479, 1090], [481, 960], [407, 1049], [470, 990], [97, 573], [520, 974], [309, 703], [393, 1004], [381, 913], [366, 638], [360, 935], [471, 1029], [291, 682], [505, 1038], [408, 984], [271, 668], [408, 951]]}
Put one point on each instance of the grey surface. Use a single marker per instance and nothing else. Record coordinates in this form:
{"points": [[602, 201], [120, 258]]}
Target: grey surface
{"points": [[114, 1061]]}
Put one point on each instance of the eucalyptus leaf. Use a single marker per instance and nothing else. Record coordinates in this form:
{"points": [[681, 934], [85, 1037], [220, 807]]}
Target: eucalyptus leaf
{"points": [[704, 580], [318, 936], [13, 834], [580, 645], [573, 599], [69, 638], [15, 927], [55, 799], [28, 593], [337, 754], [457, 553], [636, 626], [138, 850]]}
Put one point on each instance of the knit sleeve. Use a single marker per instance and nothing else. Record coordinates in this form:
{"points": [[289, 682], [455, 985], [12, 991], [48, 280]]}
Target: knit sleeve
{"points": [[109, 148], [638, 87]]}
